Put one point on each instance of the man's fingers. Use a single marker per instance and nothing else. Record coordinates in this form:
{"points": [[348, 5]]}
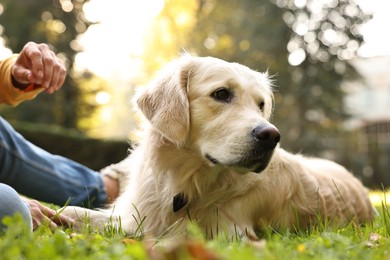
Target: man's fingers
{"points": [[22, 75], [63, 220], [58, 75], [52, 225], [33, 54], [48, 64], [45, 221], [57, 217]]}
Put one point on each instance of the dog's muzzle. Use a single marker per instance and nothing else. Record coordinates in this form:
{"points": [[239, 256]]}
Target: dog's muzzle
{"points": [[256, 159]]}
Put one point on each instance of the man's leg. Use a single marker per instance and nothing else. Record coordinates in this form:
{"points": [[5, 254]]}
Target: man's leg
{"points": [[11, 203], [38, 174]]}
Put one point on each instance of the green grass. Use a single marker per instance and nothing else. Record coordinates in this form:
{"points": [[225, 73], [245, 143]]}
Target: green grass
{"points": [[351, 242]]}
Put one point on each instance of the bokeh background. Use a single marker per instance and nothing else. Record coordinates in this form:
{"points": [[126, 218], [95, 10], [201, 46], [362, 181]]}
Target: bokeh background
{"points": [[330, 60]]}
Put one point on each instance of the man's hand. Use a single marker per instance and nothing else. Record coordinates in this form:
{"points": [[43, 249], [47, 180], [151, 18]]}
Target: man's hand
{"points": [[42, 214], [37, 64]]}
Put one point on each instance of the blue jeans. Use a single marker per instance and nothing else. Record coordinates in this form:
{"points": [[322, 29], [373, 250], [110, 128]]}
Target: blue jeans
{"points": [[11, 204], [35, 173]]}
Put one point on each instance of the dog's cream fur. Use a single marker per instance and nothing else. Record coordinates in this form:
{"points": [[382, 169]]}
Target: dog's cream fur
{"points": [[201, 147]]}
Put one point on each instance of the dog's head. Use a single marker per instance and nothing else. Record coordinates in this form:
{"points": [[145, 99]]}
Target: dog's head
{"points": [[218, 109]]}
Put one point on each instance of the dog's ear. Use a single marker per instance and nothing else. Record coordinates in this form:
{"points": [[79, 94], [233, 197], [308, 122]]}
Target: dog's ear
{"points": [[165, 103]]}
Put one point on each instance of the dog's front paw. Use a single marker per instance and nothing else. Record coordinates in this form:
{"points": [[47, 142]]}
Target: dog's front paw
{"points": [[87, 219], [77, 216]]}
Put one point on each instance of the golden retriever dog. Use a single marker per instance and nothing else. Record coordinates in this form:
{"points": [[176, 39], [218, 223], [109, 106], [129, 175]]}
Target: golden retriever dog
{"points": [[210, 155]]}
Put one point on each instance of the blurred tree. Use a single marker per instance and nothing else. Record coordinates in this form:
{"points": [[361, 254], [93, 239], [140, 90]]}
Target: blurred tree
{"points": [[304, 44], [171, 33], [58, 23]]}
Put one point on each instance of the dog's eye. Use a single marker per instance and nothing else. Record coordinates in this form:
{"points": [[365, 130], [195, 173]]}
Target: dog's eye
{"points": [[223, 95], [261, 106]]}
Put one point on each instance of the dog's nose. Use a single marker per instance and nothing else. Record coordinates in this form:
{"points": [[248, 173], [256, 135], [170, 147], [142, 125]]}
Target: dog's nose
{"points": [[267, 136]]}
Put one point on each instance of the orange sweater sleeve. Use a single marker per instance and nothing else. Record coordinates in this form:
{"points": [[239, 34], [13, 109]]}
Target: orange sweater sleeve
{"points": [[9, 94]]}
